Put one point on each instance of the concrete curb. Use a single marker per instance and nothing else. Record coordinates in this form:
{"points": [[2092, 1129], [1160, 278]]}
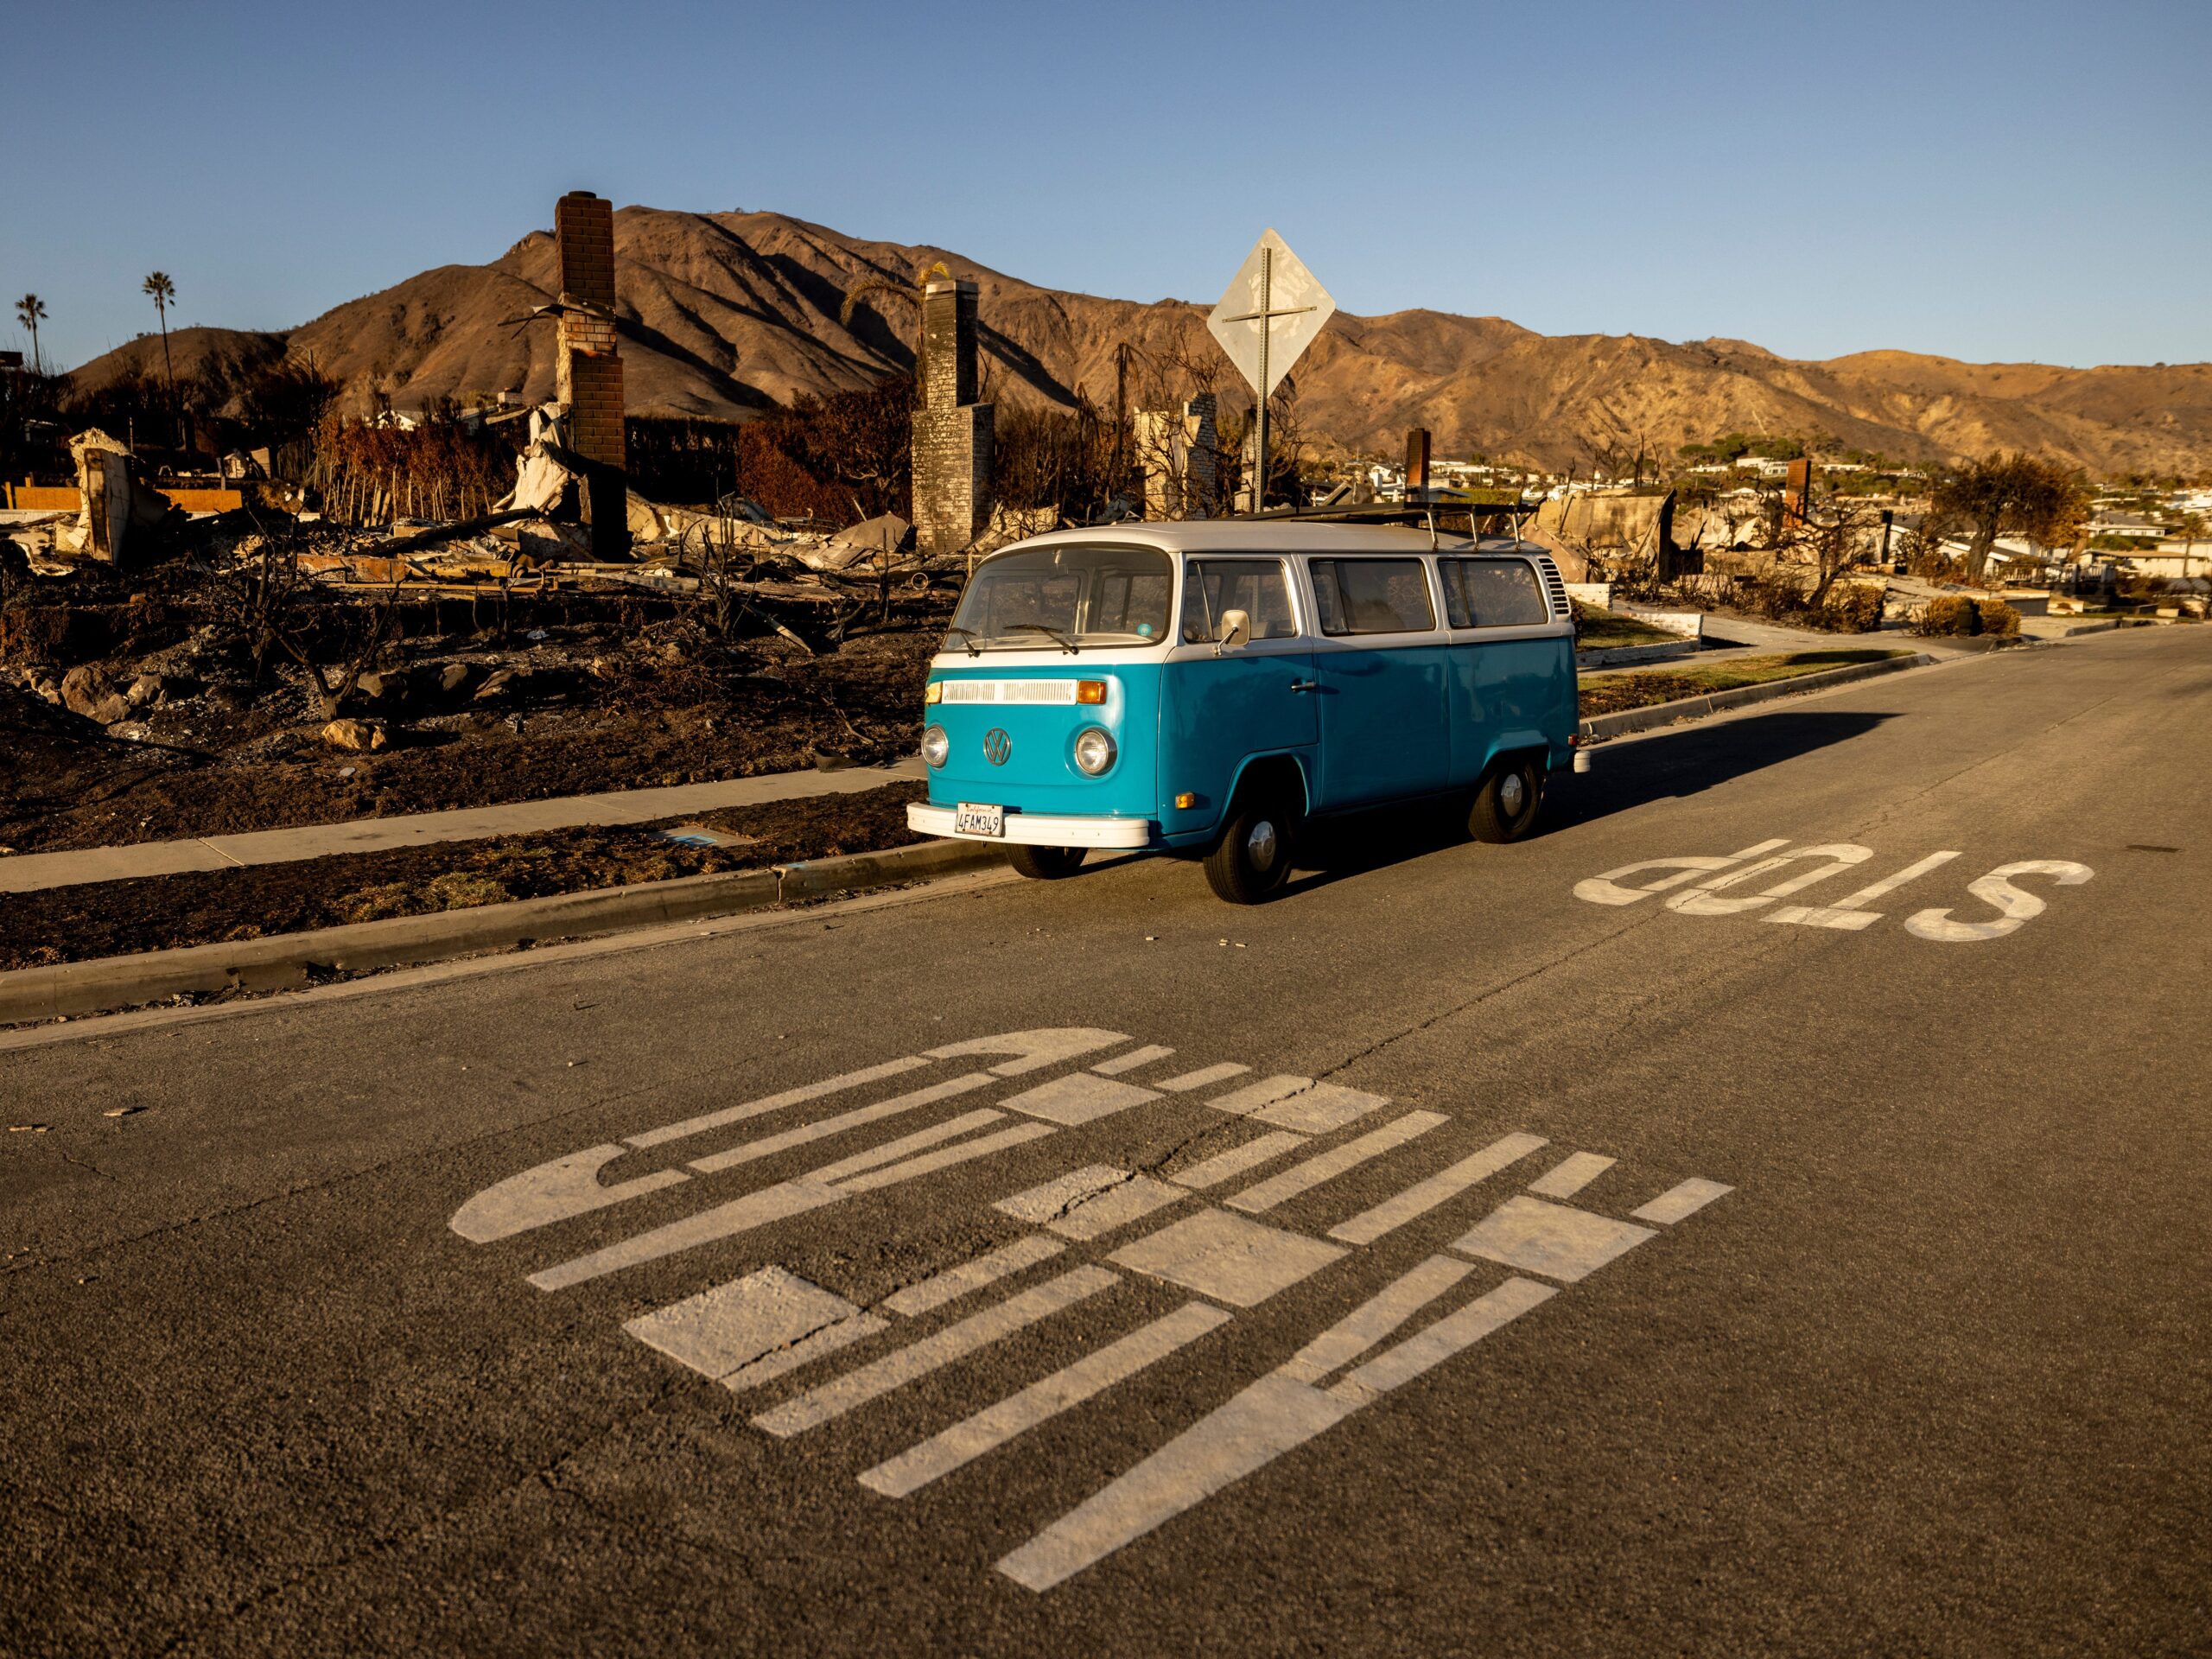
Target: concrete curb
{"points": [[1666, 713], [79, 988]]}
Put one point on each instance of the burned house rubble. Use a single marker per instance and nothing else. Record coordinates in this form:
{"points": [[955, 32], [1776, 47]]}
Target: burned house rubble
{"points": [[306, 646]]}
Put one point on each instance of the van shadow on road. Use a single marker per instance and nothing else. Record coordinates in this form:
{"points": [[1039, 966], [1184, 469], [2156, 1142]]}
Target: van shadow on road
{"points": [[1632, 775], [1683, 763]]}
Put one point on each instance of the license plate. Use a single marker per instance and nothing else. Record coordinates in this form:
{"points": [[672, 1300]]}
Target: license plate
{"points": [[968, 820]]}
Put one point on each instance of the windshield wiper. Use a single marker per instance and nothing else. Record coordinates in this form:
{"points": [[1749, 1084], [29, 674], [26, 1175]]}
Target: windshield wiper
{"points": [[1066, 640], [969, 636]]}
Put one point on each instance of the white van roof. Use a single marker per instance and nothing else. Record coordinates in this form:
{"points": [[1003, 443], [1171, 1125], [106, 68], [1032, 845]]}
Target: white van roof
{"points": [[1221, 536]]}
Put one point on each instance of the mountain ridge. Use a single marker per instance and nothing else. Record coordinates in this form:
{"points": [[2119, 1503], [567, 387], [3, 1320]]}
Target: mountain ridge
{"points": [[724, 314]]}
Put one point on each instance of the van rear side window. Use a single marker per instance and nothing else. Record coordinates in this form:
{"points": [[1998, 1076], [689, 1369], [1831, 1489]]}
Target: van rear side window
{"points": [[1372, 596], [1492, 594], [1255, 587]]}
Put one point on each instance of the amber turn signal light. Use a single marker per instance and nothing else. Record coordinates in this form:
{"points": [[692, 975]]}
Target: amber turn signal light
{"points": [[1185, 801], [1090, 690]]}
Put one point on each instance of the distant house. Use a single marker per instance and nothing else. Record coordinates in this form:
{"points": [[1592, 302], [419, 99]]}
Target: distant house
{"points": [[2174, 556], [2126, 524]]}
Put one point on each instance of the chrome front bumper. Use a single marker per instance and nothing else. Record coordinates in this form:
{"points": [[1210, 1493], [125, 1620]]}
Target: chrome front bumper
{"points": [[1036, 830]]}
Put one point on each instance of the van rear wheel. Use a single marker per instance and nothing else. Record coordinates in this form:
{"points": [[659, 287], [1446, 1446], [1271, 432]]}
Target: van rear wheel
{"points": [[1252, 860], [1506, 805], [1044, 863]]}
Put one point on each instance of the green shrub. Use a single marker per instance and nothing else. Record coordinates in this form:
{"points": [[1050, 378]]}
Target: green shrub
{"points": [[1997, 617]]}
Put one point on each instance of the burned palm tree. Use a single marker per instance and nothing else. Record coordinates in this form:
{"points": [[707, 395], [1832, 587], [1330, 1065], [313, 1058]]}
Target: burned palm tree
{"points": [[910, 293], [30, 311], [162, 291]]}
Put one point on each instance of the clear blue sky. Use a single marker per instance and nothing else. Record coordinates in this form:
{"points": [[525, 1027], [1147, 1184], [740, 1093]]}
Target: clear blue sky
{"points": [[2015, 181]]}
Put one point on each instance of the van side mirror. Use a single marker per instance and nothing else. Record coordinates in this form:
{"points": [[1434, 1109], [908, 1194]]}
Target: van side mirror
{"points": [[1236, 629]]}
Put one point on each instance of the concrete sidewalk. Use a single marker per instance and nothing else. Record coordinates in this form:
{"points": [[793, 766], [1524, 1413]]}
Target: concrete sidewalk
{"points": [[1770, 640], [1727, 639], [30, 872]]}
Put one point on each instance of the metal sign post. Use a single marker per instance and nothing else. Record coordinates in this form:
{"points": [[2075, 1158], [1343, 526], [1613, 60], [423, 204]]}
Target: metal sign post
{"points": [[1264, 339]]}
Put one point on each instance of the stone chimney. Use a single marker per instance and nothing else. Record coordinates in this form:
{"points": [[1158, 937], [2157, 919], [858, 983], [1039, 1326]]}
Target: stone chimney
{"points": [[1199, 480], [952, 431], [588, 370]]}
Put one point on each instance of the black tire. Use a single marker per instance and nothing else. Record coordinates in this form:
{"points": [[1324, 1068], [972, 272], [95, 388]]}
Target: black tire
{"points": [[1044, 863], [1251, 861], [1506, 805]]}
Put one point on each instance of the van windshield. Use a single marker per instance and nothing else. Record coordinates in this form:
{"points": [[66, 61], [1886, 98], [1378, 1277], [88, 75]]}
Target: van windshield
{"points": [[1069, 597]]}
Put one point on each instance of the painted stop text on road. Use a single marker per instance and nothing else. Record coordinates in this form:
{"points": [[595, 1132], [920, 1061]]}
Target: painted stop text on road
{"points": [[1729, 885], [1171, 1259]]}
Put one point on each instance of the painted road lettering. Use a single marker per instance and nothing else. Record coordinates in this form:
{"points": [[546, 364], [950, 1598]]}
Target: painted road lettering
{"points": [[1092, 1236], [1727, 885]]}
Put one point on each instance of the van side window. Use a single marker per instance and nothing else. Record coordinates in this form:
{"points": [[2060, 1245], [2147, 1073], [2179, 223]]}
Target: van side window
{"points": [[1255, 587], [1372, 596], [1492, 594]]}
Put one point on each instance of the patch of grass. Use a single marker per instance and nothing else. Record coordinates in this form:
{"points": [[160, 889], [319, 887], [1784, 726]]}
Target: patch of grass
{"points": [[1614, 692], [1603, 630], [454, 890]]}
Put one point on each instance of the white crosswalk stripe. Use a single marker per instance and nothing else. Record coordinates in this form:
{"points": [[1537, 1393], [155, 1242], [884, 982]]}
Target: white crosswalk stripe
{"points": [[768, 1324]]}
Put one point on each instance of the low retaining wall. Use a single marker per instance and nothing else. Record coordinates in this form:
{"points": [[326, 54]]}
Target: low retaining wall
{"points": [[1689, 623], [48, 497]]}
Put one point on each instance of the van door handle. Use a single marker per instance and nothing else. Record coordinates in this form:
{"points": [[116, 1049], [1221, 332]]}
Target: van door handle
{"points": [[1304, 685]]}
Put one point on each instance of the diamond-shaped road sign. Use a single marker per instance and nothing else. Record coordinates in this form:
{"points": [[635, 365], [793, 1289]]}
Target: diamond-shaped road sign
{"points": [[1275, 293]]}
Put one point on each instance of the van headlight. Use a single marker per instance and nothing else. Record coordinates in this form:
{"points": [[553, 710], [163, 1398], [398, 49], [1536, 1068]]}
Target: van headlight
{"points": [[1094, 750], [935, 745]]}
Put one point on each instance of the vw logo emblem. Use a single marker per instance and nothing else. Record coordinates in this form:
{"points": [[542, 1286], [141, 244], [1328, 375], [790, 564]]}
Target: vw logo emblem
{"points": [[997, 746]]}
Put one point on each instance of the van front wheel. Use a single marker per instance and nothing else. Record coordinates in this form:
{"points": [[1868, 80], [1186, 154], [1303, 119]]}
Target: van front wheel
{"points": [[1044, 863], [1252, 860], [1506, 805]]}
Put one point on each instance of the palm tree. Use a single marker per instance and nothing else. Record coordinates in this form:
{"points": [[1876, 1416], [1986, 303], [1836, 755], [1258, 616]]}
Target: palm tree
{"points": [[30, 310], [162, 290]]}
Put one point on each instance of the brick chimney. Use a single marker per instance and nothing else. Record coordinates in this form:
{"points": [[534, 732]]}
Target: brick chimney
{"points": [[589, 372], [1416, 463]]}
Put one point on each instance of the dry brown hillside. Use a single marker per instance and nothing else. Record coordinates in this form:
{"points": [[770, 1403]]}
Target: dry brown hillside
{"points": [[723, 313]]}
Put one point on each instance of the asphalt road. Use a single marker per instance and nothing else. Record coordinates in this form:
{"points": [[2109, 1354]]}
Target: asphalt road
{"points": [[1930, 1375]]}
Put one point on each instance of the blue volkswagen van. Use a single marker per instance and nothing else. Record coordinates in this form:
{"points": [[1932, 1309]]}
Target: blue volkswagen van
{"points": [[1207, 689]]}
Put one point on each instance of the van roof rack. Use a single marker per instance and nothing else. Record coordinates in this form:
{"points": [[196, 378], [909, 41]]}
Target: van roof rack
{"points": [[1421, 515]]}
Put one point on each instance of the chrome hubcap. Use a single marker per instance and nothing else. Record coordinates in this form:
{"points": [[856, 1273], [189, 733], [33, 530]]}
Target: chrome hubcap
{"points": [[1260, 845], [1512, 794]]}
